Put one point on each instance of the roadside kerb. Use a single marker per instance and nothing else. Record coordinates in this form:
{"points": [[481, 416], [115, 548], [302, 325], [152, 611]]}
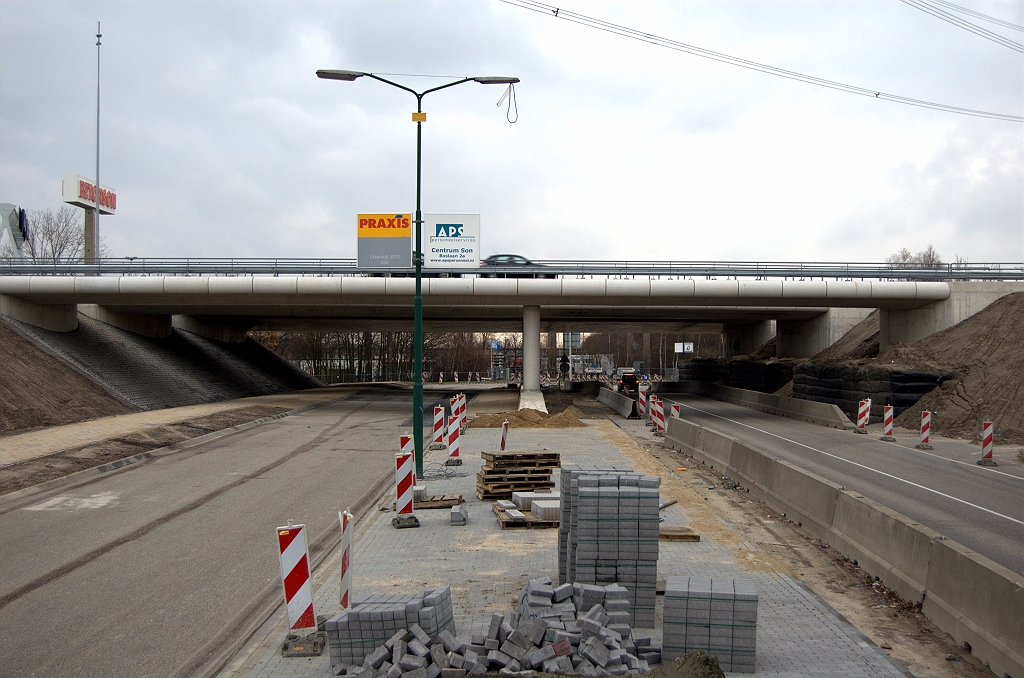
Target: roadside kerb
{"points": [[972, 598], [159, 452]]}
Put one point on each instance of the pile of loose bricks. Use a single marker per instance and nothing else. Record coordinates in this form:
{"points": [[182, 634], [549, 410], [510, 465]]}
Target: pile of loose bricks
{"points": [[609, 532], [601, 638], [717, 616]]}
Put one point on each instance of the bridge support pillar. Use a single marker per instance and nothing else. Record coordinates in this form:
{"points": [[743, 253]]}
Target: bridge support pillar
{"points": [[745, 339], [531, 348], [805, 338], [232, 333], [53, 317], [965, 299], [157, 326]]}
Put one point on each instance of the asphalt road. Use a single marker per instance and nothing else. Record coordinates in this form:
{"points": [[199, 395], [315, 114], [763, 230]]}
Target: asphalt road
{"points": [[165, 568], [981, 508]]}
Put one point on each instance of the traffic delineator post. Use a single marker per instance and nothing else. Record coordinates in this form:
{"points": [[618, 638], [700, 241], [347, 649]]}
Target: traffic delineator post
{"points": [[987, 431], [863, 416], [405, 480], [659, 417], [675, 410], [642, 403], [438, 441], [345, 517], [926, 431], [462, 410], [887, 425], [293, 556], [454, 433], [504, 434]]}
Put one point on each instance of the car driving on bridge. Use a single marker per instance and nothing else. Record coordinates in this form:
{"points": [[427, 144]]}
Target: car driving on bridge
{"points": [[522, 267]]}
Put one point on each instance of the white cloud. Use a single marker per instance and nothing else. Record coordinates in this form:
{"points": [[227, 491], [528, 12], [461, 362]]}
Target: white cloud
{"points": [[222, 142]]}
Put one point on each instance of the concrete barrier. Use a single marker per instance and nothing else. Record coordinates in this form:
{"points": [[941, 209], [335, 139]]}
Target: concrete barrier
{"points": [[824, 414], [978, 602], [970, 597], [618, 402], [883, 542]]}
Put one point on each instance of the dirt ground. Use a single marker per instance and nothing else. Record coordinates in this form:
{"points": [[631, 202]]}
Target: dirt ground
{"points": [[763, 540], [34, 471], [567, 417], [39, 390]]}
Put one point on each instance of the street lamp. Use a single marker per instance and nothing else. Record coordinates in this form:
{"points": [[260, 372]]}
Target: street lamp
{"points": [[419, 117]]}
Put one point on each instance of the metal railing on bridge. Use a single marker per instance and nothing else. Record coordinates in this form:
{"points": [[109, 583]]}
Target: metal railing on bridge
{"points": [[710, 270]]}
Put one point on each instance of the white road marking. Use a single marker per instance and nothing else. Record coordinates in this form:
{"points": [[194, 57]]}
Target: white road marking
{"points": [[868, 468], [955, 461], [74, 504]]}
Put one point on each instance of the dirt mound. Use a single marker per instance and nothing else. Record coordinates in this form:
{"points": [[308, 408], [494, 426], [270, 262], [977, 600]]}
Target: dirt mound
{"points": [[42, 390], [568, 418], [786, 390], [689, 665], [860, 342], [765, 350], [985, 356]]}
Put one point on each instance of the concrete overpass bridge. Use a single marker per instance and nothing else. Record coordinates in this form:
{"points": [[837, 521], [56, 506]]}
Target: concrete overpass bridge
{"points": [[748, 303]]}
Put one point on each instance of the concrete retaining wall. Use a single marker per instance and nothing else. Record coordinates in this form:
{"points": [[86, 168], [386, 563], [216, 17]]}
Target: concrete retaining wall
{"points": [[965, 594], [618, 402], [824, 414]]}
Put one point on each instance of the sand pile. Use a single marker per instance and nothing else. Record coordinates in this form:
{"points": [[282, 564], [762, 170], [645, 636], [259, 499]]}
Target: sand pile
{"points": [[860, 342], [985, 356], [690, 665], [569, 418]]}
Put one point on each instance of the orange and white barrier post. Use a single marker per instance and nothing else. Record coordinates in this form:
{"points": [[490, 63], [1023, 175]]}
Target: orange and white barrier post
{"points": [[987, 430], [675, 410], [926, 431], [346, 557], [887, 424], [863, 416], [298, 591], [504, 434], [437, 442]]}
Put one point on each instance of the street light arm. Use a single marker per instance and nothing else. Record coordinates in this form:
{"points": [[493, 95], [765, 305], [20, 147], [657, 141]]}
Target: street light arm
{"points": [[450, 84], [395, 84]]}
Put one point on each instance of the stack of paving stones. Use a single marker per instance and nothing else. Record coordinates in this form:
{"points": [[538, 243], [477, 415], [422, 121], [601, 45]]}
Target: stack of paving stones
{"points": [[575, 628], [609, 532], [717, 616], [374, 621], [524, 500]]}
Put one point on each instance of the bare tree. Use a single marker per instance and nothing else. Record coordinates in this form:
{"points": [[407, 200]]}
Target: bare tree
{"points": [[56, 236], [926, 258]]}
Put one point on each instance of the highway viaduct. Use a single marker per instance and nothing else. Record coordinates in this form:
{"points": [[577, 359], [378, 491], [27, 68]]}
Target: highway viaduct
{"points": [[806, 315]]}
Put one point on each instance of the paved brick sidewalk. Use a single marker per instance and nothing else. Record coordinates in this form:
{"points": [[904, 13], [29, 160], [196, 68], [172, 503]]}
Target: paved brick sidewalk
{"points": [[798, 635]]}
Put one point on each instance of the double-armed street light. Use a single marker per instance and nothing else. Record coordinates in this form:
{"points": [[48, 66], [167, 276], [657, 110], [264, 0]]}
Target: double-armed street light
{"points": [[419, 117]]}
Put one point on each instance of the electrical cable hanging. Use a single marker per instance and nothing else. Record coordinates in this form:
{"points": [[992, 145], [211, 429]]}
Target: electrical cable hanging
{"points": [[977, 15], [929, 8], [633, 34]]}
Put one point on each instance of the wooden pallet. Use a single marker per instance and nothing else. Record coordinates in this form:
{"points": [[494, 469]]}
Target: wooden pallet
{"points": [[672, 533], [514, 486], [513, 475], [517, 460], [530, 521], [439, 501]]}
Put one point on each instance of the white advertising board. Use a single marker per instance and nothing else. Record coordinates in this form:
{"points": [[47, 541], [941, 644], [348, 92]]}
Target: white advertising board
{"points": [[81, 192], [451, 241], [684, 347]]}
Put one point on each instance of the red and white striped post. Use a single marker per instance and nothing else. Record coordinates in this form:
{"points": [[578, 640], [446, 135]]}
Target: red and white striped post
{"points": [[887, 425], [926, 431], [298, 592], [863, 416], [346, 557], [675, 410], [405, 478], [652, 404], [462, 410], [454, 433], [987, 430], [504, 434], [437, 442], [440, 377], [456, 377], [659, 417], [642, 404]]}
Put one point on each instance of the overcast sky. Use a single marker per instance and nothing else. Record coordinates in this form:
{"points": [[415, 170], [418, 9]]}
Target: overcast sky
{"points": [[221, 141]]}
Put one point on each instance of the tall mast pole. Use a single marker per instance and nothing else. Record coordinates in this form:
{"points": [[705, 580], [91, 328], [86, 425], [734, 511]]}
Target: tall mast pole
{"points": [[97, 216]]}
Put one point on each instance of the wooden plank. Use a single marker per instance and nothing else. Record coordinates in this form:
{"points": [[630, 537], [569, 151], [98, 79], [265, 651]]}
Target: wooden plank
{"points": [[530, 521], [675, 533]]}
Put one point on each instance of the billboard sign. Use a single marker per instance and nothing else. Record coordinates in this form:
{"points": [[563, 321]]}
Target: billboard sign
{"points": [[452, 241], [384, 240], [81, 192], [684, 347]]}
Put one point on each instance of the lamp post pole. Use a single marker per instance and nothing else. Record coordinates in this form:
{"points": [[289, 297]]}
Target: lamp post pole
{"points": [[419, 117]]}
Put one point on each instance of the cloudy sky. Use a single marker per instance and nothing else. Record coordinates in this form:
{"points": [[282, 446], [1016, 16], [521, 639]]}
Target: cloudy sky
{"points": [[221, 141]]}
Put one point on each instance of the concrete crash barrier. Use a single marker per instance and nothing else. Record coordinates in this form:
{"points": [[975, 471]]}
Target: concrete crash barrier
{"points": [[824, 414], [618, 402], [977, 601]]}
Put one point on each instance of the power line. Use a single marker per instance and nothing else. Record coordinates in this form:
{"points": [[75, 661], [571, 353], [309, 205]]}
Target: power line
{"points": [[977, 15], [928, 8], [623, 31]]}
